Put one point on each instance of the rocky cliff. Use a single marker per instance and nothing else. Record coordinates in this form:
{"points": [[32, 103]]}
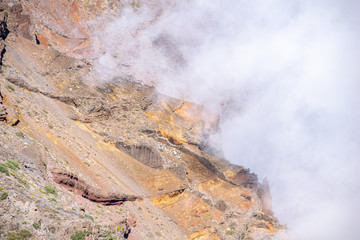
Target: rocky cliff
{"points": [[116, 160]]}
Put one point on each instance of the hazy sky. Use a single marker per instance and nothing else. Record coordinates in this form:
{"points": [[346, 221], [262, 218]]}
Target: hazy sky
{"points": [[285, 76]]}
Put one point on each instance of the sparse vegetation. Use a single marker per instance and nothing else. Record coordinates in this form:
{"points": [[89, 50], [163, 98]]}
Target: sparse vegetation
{"points": [[20, 134], [4, 169], [22, 235], [230, 232], [12, 164], [106, 235], [50, 190], [50, 126], [10, 87], [53, 200], [20, 179], [3, 196], [135, 4], [89, 216], [36, 225], [78, 235]]}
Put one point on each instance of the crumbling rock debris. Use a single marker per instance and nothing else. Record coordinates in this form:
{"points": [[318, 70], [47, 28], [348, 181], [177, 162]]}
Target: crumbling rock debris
{"points": [[179, 169], [8, 113], [262, 218], [20, 82], [245, 178]]}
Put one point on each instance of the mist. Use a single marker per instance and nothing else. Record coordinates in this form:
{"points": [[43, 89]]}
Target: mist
{"points": [[284, 75]]}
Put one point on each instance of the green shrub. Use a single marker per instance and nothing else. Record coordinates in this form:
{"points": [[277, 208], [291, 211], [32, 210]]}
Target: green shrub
{"points": [[89, 216], [4, 196], [36, 225], [230, 232], [106, 235], [22, 235], [10, 87], [20, 134], [51, 190], [53, 200], [78, 235], [12, 164], [4, 169], [20, 179]]}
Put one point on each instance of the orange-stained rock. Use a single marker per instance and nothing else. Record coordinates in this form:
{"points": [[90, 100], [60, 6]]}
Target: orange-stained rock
{"points": [[241, 198], [206, 234], [184, 122], [191, 211]]}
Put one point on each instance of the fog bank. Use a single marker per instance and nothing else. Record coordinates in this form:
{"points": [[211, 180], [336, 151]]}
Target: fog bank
{"points": [[284, 75]]}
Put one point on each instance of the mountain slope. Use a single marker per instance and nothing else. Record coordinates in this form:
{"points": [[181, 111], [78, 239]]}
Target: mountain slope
{"points": [[115, 160]]}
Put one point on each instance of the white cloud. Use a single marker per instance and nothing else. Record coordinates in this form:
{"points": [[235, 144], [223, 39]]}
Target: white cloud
{"points": [[288, 72]]}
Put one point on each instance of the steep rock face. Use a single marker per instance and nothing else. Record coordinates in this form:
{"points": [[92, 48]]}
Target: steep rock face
{"points": [[111, 160]]}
